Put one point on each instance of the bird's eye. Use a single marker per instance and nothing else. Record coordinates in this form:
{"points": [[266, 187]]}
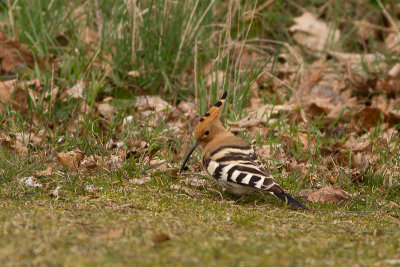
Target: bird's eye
{"points": [[206, 132]]}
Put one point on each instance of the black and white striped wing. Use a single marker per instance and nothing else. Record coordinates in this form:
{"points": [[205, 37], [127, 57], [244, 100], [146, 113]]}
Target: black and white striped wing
{"points": [[238, 169]]}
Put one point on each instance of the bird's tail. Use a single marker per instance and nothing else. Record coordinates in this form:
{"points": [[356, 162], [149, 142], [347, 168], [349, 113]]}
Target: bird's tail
{"points": [[289, 200]]}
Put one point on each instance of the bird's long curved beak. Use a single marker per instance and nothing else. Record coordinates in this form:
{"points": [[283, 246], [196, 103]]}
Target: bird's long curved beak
{"points": [[189, 154]]}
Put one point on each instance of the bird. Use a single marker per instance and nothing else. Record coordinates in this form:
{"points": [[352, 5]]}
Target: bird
{"points": [[232, 162]]}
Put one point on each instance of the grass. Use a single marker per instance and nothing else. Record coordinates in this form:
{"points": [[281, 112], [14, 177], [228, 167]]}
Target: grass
{"points": [[119, 225], [189, 51]]}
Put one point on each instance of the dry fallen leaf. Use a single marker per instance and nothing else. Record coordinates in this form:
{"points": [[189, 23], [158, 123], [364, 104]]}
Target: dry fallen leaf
{"points": [[392, 41], [47, 172], [356, 146], [313, 111], [305, 193], [106, 110], [89, 163], [152, 102], [370, 116], [76, 91], [13, 55], [313, 33], [358, 173], [70, 159], [374, 62], [160, 164], [114, 162], [328, 194], [134, 73], [161, 238], [89, 36], [394, 72], [21, 141], [28, 138]]}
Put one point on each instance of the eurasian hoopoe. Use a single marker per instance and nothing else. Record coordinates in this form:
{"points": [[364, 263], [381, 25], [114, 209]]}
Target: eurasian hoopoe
{"points": [[232, 162]]}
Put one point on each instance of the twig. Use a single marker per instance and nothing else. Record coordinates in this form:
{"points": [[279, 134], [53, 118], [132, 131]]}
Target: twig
{"points": [[387, 15], [99, 18], [184, 37], [258, 9], [195, 73], [11, 17]]}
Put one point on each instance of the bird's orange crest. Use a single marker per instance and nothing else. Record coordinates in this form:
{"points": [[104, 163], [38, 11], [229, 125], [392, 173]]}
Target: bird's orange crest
{"points": [[207, 128], [211, 115]]}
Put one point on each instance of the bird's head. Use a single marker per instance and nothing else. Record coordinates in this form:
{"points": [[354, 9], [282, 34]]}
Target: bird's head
{"points": [[208, 127]]}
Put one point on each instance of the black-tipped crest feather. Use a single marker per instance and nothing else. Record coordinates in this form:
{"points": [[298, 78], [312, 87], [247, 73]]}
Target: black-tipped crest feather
{"points": [[224, 95]]}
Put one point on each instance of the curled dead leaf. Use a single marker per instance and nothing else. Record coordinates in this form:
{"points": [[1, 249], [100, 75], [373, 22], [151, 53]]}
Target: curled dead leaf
{"points": [[314, 111], [90, 163], [76, 91], [20, 97], [71, 159], [13, 55], [114, 162], [369, 117], [314, 78], [47, 172], [392, 41], [328, 194], [313, 33], [106, 110], [160, 164], [28, 139], [394, 72], [305, 193], [356, 146]]}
